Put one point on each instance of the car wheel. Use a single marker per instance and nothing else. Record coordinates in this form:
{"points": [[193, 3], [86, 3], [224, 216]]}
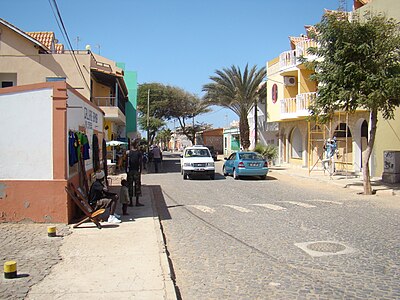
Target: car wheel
{"points": [[235, 175], [263, 177], [224, 171], [185, 176], [212, 176]]}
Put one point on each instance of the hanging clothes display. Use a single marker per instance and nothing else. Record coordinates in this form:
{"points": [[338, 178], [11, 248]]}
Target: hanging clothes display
{"points": [[83, 145], [95, 153], [72, 145], [86, 147], [83, 180], [104, 150]]}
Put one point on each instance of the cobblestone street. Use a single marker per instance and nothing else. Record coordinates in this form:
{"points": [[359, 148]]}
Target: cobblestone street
{"points": [[282, 238], [34, 252]]}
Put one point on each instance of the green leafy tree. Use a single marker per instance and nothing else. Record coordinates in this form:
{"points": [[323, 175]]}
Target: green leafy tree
{"points": [[169, 102], [164, 136], [359, 67], [184, 108], [155, 125], [151, 101], [237, 91]]}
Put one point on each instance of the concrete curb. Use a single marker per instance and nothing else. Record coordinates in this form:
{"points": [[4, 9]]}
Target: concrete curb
{"points": [[378, 189], [169, 286]]}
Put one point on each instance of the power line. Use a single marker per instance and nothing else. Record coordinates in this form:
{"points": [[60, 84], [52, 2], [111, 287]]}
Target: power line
{"points": [[61, 26]]}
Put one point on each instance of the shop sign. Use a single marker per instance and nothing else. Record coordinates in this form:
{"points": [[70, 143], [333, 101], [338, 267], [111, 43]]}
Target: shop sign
{"points": [[90, 117]]}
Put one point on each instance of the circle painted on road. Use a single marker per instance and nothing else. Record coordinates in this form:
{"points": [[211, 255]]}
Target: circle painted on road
{"points": [[326, 247]]}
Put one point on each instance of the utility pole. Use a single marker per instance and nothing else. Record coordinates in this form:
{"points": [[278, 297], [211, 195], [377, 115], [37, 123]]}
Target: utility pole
{"points": [[194, 132], [174, 136], [255, 122], [148, 117]]}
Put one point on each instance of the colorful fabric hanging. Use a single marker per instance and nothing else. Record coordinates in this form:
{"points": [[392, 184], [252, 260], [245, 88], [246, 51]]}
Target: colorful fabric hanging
{"points": [[72, 145]]}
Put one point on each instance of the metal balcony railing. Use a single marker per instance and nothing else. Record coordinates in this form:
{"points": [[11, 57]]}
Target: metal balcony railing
{"points": [[110, 102]]}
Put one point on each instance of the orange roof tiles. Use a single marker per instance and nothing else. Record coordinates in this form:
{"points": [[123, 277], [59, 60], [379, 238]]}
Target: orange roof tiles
{"points": [[46, 38], [59, 48], [296, 39]]}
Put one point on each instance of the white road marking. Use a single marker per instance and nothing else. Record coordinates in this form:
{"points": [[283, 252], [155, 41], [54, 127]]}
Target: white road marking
{"points": [[325, 201], [238, 208], [274, 284], [305, 247], [203, 208], [300, 204], [271, 206]]}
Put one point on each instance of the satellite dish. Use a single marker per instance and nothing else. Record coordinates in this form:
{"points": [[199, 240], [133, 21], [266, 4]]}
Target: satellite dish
{"points": [[88, 48]]}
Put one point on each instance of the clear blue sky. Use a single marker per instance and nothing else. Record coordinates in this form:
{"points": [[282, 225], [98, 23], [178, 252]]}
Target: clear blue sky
{"points": [[176, 42]]}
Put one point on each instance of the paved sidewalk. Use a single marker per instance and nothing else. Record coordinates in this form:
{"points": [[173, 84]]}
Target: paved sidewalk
{"points": [[346, 181], [120, 261]]}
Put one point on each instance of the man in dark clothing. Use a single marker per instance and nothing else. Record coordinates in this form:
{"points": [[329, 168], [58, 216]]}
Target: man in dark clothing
{"points": [[100, 197], [133, 170]]}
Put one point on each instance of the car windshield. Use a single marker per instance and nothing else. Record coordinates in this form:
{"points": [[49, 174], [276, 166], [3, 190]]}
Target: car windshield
{"points": [[250, 156], [197, 153]]}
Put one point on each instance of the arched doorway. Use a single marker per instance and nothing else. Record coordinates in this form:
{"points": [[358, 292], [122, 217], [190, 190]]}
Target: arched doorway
{"points": [[344, 140], [360, 142], [296, 146], [364, 138]]}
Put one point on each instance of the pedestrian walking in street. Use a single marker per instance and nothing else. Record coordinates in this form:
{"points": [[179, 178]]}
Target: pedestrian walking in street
{"points": [[157, 156], [101, 197], [133, 170], [124, 197]]}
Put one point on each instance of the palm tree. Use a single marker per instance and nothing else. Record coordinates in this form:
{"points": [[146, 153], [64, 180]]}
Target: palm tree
{"points": [[238, 92]]}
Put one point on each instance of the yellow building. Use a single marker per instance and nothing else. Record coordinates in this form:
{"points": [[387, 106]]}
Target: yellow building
{"points": [[388, 131], [35, 57], [289, 93]]}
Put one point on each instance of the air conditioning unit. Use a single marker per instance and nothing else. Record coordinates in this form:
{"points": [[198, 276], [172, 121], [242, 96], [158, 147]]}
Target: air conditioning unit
{"points": [[289, 80]]}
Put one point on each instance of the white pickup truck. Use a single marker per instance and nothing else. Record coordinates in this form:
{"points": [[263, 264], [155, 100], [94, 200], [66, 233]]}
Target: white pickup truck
{"points": [[197, 160]]}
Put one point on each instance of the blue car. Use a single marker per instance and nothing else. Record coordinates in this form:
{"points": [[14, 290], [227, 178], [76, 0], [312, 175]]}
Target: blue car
{"points": [[245, 164]]}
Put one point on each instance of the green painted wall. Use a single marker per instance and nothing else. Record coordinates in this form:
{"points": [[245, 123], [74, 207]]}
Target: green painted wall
{"points": [[131, 107], [130, 78]]}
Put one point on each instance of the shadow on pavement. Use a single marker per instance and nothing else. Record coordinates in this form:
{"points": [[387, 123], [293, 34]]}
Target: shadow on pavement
{"points": [[256, 178], [218, 176], [168, 165], [159, 202]]}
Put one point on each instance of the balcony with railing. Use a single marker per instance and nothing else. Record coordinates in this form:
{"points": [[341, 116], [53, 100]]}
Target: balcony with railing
{"points": [[113, 108], [292, 108], [290, 59]]}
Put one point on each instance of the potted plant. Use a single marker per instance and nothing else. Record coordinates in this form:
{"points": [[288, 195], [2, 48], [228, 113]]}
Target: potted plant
{"points": [[270, 152]]}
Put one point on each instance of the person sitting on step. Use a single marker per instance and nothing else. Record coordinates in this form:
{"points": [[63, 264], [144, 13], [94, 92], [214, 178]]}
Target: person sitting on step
{"points": [[101, 197]]}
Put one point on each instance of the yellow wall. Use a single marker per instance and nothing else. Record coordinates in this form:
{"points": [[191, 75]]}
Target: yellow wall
{"points": [[390, 7], [387, 138], [290, 91], [273, 109], [388, 132], [306, 85]]}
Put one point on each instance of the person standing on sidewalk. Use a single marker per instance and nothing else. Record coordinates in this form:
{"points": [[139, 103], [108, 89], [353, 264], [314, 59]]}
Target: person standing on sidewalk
{"points": [[124, 197], [133, 171], [157, 155]]}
